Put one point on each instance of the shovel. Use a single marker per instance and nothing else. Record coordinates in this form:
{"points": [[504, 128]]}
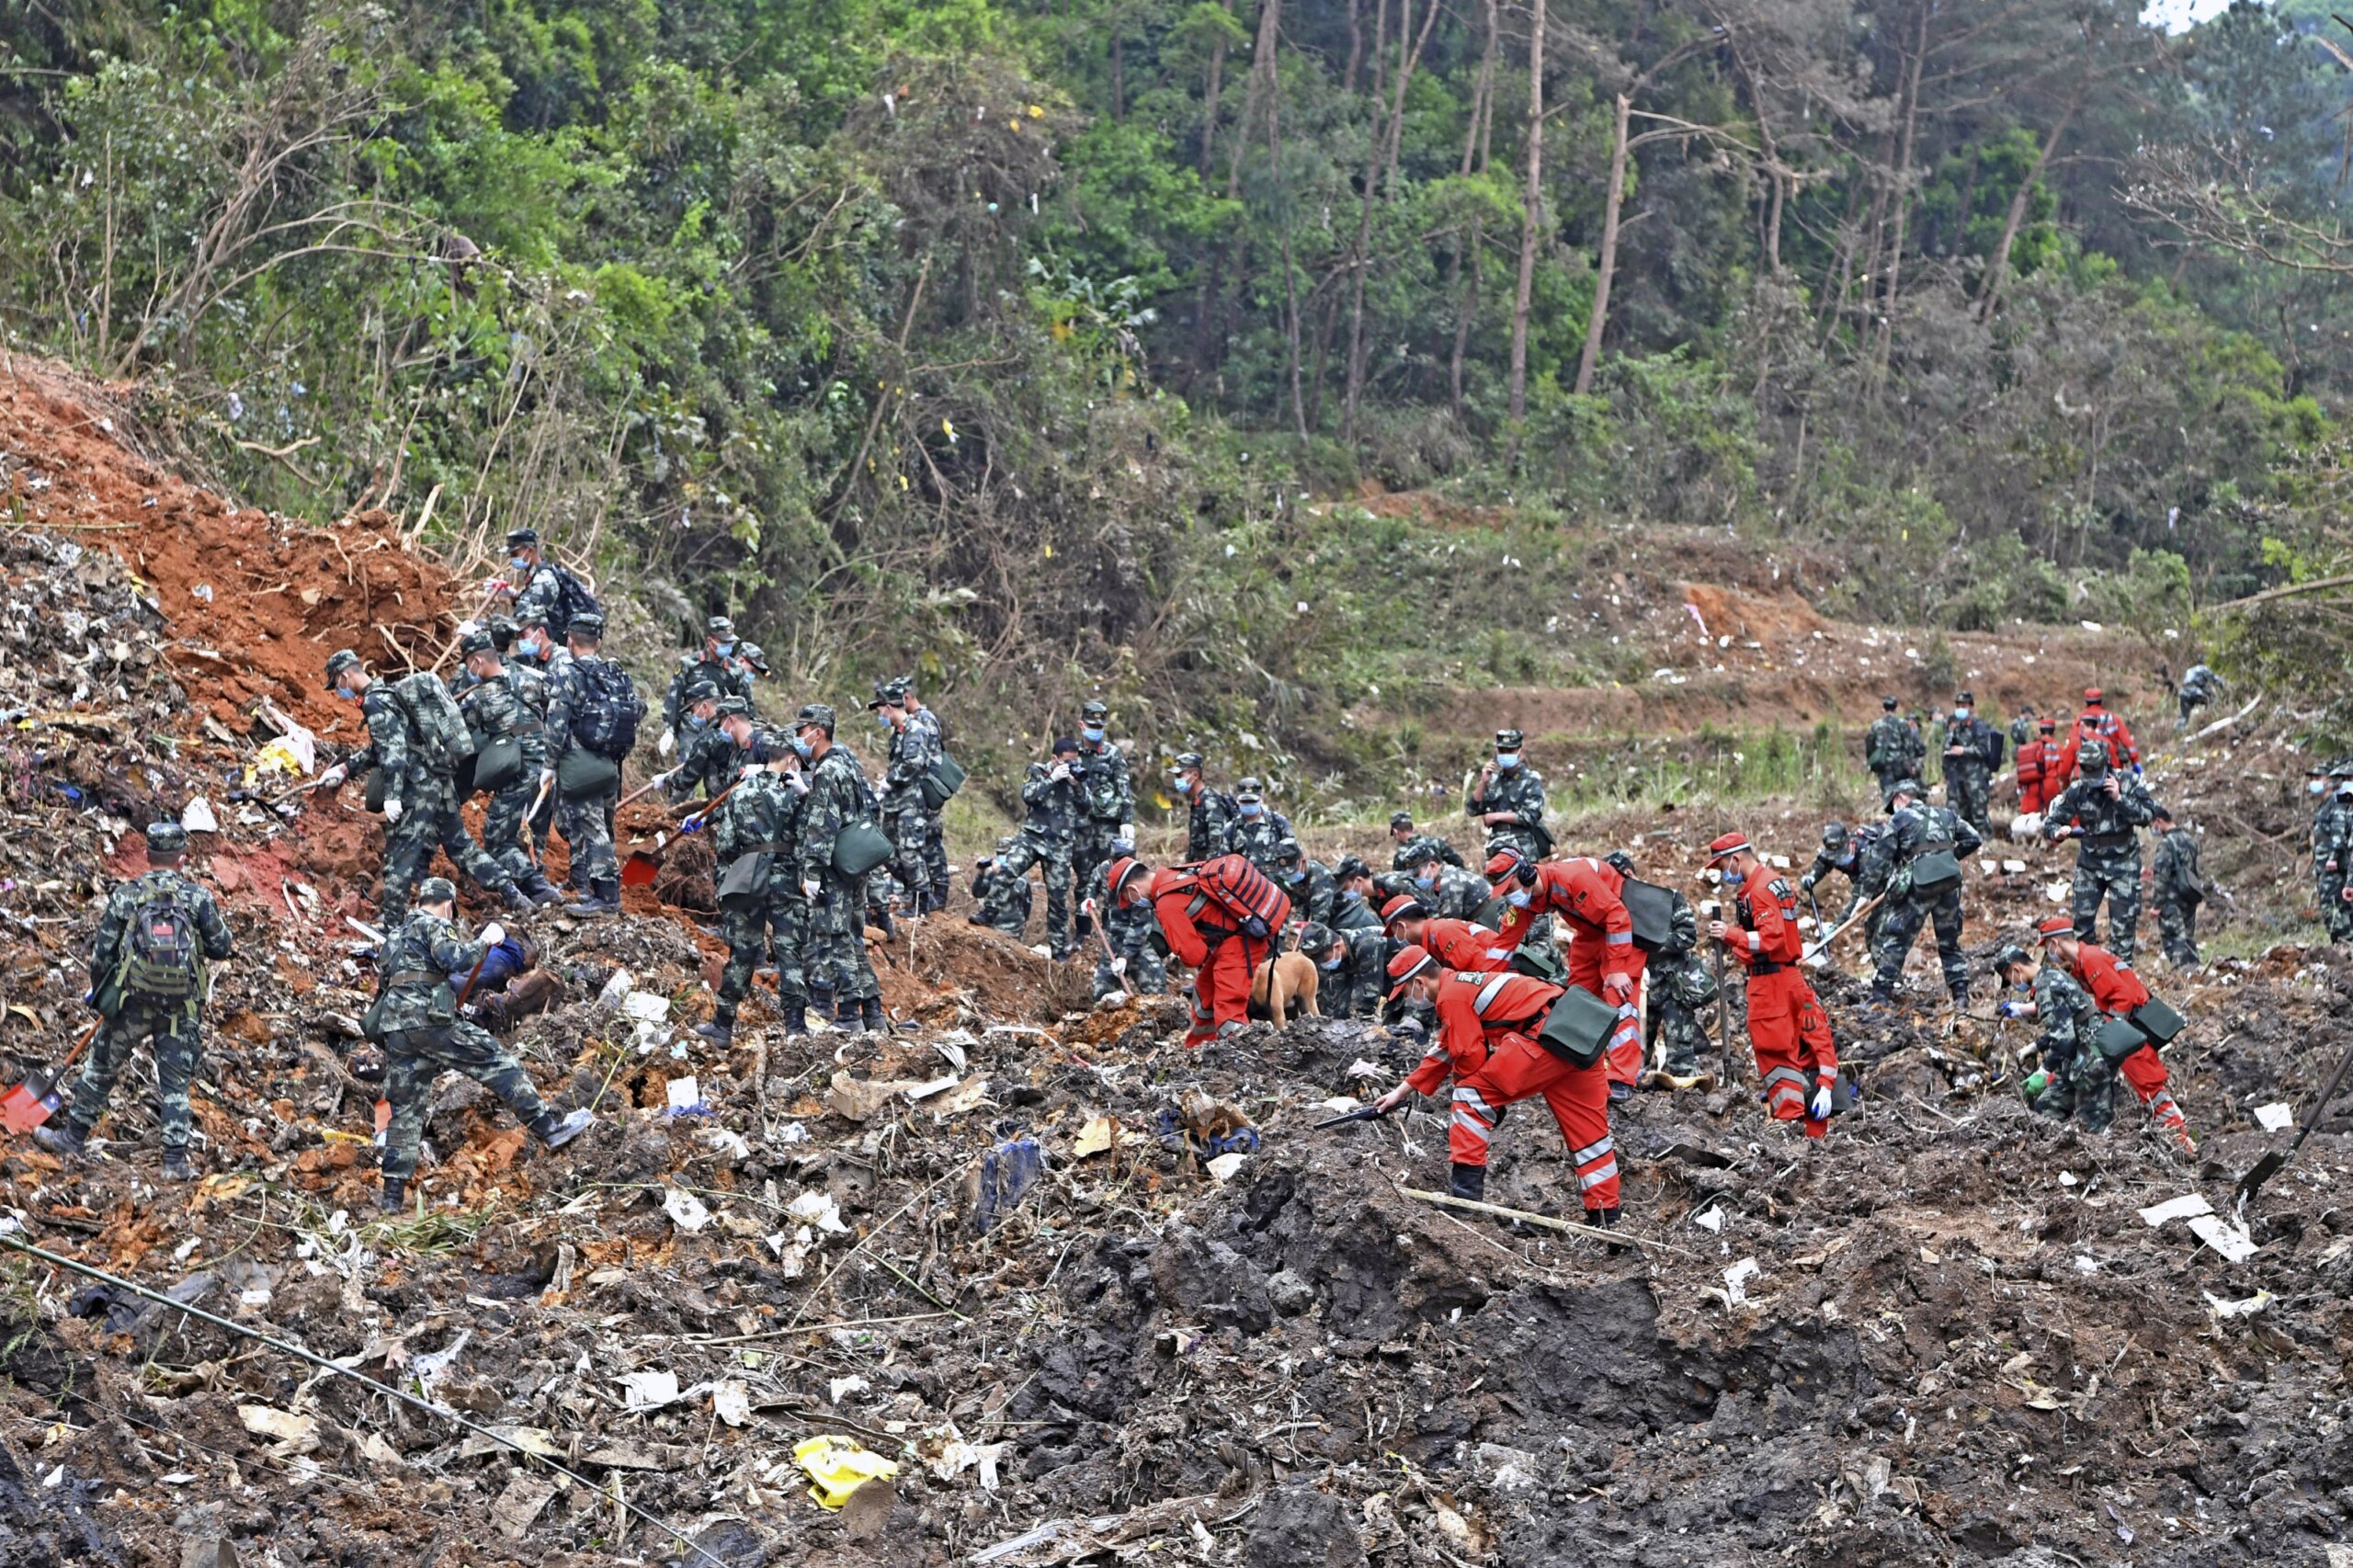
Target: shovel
{"points": [[34, 1101], [1841, 929], [1362, 1113], [644, 865], [2268, 1167]]}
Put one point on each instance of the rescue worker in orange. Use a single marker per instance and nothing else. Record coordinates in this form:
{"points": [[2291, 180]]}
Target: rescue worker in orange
{"points": [[1603, 959], [1486, 1033], [2094, 723], [1795, 1055], [2117, 991], [1223, 945], [2038, 784], [1456, 944]]}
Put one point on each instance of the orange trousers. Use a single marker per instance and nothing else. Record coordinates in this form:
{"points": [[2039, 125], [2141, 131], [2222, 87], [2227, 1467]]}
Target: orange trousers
{"points": [[1518, 1069]]}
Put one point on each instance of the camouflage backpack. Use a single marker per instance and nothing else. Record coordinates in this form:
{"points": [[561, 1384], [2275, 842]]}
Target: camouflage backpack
{"points": [[442, 739], [163, 952]]}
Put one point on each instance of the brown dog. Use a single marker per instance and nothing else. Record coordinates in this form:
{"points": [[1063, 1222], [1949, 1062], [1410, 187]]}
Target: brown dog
{"points": [[1284, 981]]}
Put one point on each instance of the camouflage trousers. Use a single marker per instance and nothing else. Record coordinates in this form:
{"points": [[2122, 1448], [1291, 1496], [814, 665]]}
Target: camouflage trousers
{"points": [[1968, 789], [2115, 876], [833, 955], [1680, 990], [1014, 864], [2177, 929], [1906, 917], [176, 1027], [1007, 903], [911, 827], [2335, 915], [2083, 1087], [430, 820], [1130, 928], [935, 856], [587, 823], [772, 924], [414, 1058], [503, 827]]}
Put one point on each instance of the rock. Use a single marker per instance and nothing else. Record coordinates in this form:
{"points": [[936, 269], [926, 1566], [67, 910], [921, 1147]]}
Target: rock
{"points": [[1298, 1527], [730, 1543], [1290, 1293], [867, 1516]]}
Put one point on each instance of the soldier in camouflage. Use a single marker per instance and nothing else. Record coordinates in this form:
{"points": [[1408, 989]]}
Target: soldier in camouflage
{"points": [[586, 818], [545, 593], [420, 793], [755, 842], [839, 976], [1972, 756], [914, 752], [1258, 829], [1134, 962], [2332, 851], [2072, 1077], [935, 848], [708, 759], [2103, 809], [1004, 897], [2200, 686], [1210, 815], [2178, 887], [1109, 822], [1892, 749], [1352, 970], [425, 1032], [1412, 849], [2022, 727], [536, 659], [1454, 892], [1847, 850], [1314, 892], [497, 705], [1055, 799], [715, 665], [1353, 910], [1681, 987], [1508, 798], [1915, 830], [148, 980]]}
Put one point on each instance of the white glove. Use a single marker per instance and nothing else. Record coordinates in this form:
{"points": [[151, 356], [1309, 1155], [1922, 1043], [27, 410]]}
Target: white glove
{"points": [[1086, 907], [546, 778], [392, 808], [1120, 967], [493, 934], [882, 791], [1128, 831], [334, 777], [1820, 1110], [662, 781], [749, 768], [800, 782], [810, 891], [667, 743], [1060, 773]]}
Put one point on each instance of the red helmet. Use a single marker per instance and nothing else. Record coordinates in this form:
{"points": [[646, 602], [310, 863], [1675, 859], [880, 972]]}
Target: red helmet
{"points": [[2057, 926], [1510, 863], [1725, 847], [2092, 695], [1405, 906], [1409, 966], [1122, 869]]}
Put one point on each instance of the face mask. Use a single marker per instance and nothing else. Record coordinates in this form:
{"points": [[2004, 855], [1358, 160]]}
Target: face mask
{"points": [[802, 748], [1425, 882], [533, 647], [343, 690], [1329, 964], [882, 720], [1961, 713], [1516, 900], [1507, 759], [725, 650], [1734, 879], [1094, 734], [520, 563], [1251, 808], [1176, 782], [2317, 787], [697, 721]]}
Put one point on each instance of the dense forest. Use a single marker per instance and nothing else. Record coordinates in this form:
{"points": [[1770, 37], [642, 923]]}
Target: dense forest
{"points": [[1007, 337]]}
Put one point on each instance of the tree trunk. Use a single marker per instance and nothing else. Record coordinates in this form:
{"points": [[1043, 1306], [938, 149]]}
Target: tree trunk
{"points": [[1119, 79], [1470, 252], [1206, 330], [1355, 46], [1532, 216], [1290, 271], [1614, 199], [1379, 174], [1216, 88], [1903, 194], [1997, 269]]}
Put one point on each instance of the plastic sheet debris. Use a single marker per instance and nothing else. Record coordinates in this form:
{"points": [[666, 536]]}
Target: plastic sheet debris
{"points": [[642, 1391], [819, 1209], [2276, 1117], [197, 816], [2188, 1206], [2233, 1244], [838, 1466], [686, 1211], [1737, 1280], [1008, 1172], [1094, 1138]]}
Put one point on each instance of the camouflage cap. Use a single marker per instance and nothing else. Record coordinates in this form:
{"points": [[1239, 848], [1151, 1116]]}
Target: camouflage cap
{"points": [[2091, 749], [1005, 846], [2340, 770], [719, 626], [517, 538], [1190, 759], [437, 890], [588, 628], [167, 838], [1315, 939], [817, 714], [1888, 703], [729, 707], [2006, 956], [2158, 813], [532, 619], [1965, 699], [888, 694], [476, 641], [750, 655], [1094, 710], [1620, 861], [1065, 745], [1289, 849], [698, 691], [1834, 835], [1350, 867], [503, 631], [1247, 788], [1509, 740], [342, 659], [1904, 787], [1401, 819]]}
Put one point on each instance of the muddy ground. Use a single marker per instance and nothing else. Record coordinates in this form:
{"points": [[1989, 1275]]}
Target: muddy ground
{"points": [[1944, 1334]]}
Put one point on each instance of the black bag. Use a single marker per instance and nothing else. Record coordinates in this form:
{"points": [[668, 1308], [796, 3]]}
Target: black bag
{"points": [[860, 847], [497, 766], [1936, 869], [2119, 1038], [745, 882], [1542, 963], [1578, 1028], [2156, 1020], [379, 785], [606, 715], [583, 773], [1653, 908], [938, 787]]}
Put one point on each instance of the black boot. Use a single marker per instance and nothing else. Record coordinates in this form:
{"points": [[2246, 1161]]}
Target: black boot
{"points": [[796, 1018], [516, 898], [555, 1130], [1467, 1181], [880, 920], [870, 1011], [847, 1016], [719, 1031], [60, 1138], [176, 1166], [604, 898], [541, 891], [391, 1199], [1606, 1220]]}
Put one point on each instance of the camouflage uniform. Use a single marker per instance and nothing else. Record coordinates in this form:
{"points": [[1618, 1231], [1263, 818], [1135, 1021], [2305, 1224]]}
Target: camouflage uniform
{"points": [[2332, 861], [1681, 988], [1350, 913], [1968, 776], [2177, 889], [1257, 840], [1914, 830], [1005, 897], [1209, 824], [1458, 895], [174, 1025], [553, 597], [2082, 1081], [424, 1037], [1108, 802], [2200, 686], [1849, 862], [1314, 895], [429, 797], [586, 821], [511, 703], [833, 957], [1892, 751], [761, 816], [1056, 807], [2108, 854], [1519, 791], [1352, 977], [1420, 847], [934, 846], [915, 752], [1111, 806], [709, 759], [727, 677], [1147, 971]]}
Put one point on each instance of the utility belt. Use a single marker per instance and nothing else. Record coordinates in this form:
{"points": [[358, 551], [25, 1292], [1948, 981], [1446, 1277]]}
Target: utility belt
{"points": [[414, 977], [1764, 967], [2108, 840]]}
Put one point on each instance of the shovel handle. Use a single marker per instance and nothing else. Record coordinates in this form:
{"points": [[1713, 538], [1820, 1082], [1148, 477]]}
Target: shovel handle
{"points": [[711, 806], [80, 1046], [2319, 1106], [468, 989], [640, 791]]}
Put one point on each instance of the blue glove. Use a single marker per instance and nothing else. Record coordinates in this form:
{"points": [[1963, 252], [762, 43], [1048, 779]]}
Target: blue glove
{"points": [[692, 824]]}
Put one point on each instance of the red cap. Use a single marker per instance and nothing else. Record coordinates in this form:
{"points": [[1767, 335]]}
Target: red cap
{"points": [[1409, 966], [2057, 926], [1731, 844], [1398, 908], [1504, 862], [2092, 694], [1121, 870]]}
